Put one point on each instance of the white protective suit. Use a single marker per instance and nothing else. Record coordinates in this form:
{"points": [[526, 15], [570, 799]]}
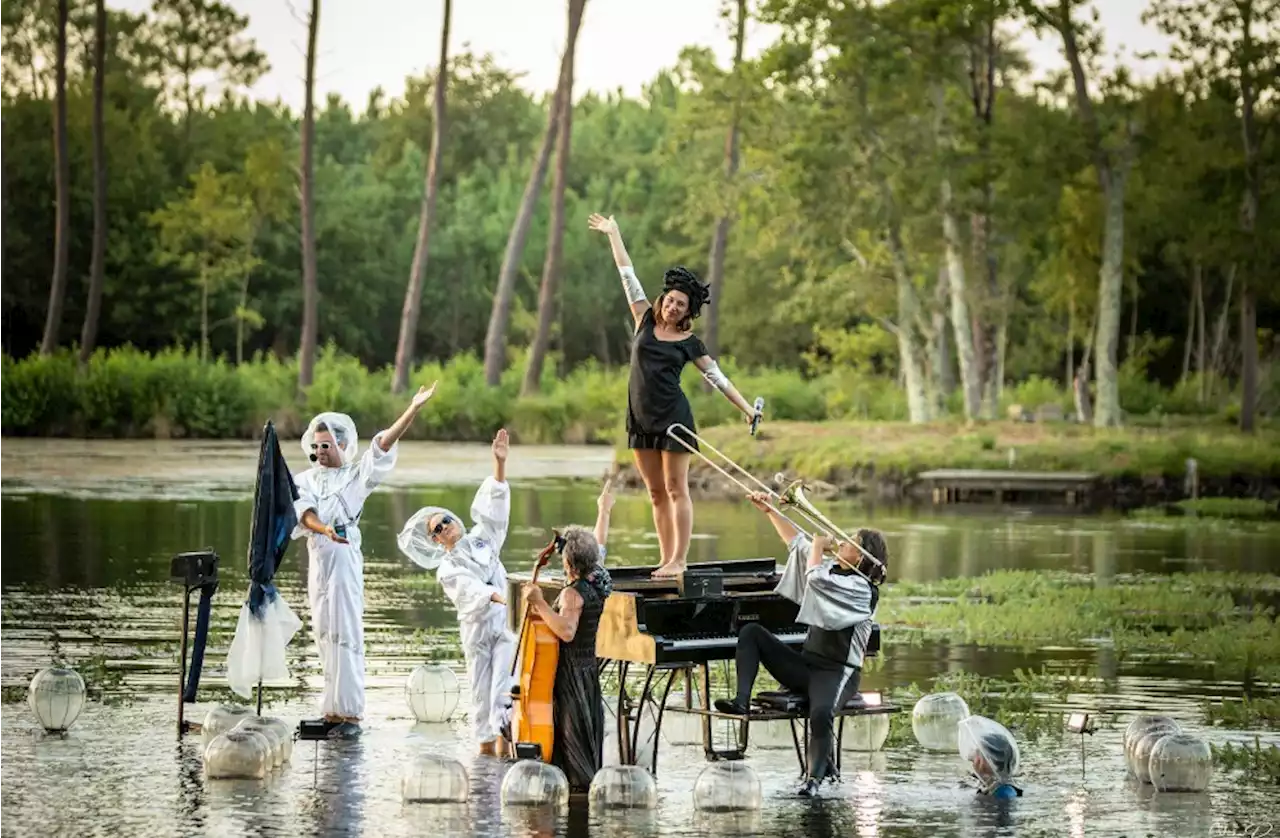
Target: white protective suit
{"points": [[335, 578], [470, 574]]}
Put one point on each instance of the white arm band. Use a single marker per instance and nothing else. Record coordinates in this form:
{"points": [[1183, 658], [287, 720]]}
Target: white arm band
{"points": [[717, 379], [635, 292]]}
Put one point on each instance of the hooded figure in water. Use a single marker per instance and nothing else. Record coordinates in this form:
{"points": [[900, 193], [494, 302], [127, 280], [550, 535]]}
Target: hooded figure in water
{"points": [[469, 567], [331, 498], [992, 755]]}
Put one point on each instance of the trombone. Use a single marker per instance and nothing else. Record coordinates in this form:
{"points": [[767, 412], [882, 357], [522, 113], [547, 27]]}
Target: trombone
{"points": [[870, 568]]}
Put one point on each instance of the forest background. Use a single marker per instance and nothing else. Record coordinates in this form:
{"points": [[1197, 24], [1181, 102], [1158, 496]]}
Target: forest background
{"points": [[900, 221]]}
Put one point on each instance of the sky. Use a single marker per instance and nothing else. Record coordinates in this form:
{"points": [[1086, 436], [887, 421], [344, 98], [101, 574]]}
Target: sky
{"points": [[623, 44]]}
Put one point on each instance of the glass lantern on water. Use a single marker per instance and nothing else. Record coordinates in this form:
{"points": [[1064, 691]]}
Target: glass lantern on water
{"points": [[275, 757], [935, 718], [432, 692], [623, 787], [727, 787], [1141, 726], [1140, 761], [1179, 762], [865, 733], [223, 719], [284, 731], [237, 755], [56, 697], [533, 783], [434, 779]]}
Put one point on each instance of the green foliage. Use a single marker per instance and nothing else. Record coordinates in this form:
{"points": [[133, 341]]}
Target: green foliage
{"points": [[836, 238]]}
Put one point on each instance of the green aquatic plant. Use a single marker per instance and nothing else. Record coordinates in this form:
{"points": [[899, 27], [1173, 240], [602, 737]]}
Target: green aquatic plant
{"points": [[1258, 763], [1226, 620], [1238, 509], [1244, 714]]}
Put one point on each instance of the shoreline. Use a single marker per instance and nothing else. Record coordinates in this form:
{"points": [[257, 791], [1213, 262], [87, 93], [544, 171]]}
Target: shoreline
{"points": [[874, 461]]}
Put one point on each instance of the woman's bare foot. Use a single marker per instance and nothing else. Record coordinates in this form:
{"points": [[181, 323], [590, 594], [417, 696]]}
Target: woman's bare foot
{"points": [[670, 571]]}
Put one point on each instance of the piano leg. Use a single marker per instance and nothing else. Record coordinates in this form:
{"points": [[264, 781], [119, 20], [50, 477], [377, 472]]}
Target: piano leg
{"points": [[646, 695], [624, 719]]}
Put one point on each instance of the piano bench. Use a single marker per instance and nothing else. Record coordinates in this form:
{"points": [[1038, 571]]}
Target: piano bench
{"points": [[798, 703]]}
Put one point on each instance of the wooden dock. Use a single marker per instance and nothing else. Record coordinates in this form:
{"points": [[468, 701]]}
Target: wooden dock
{"points": [[957, 485]]}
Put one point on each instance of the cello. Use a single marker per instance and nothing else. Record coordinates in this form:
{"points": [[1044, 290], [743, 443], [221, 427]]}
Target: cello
{"points": [[538, 655]]}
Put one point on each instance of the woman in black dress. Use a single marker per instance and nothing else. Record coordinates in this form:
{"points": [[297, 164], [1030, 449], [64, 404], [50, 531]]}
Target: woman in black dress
{"points": [[664, 342], [577, 703]]}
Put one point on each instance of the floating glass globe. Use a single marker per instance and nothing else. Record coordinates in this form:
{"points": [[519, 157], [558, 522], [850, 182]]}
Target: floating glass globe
{"points": [[865, 733], [623, 787], [237, 755], [775, 735], [1179, 762], [1138, 728], [934, 720], [533, 783], [56, 697], [255, 724], [223, 719], [285, 732], [432, 692], [727, 787], [434, 779], [1141, 759]]}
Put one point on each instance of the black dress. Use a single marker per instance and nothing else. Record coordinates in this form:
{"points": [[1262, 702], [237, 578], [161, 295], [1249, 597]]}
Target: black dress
{"points": [[655, 400], [577, 703]]}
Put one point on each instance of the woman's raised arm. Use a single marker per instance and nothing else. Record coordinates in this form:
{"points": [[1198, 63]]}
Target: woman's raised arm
{"points": [[630, 284]]}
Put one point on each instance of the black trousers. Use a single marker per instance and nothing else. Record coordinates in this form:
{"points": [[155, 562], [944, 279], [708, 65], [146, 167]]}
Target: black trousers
{"points": [[827, 686]]}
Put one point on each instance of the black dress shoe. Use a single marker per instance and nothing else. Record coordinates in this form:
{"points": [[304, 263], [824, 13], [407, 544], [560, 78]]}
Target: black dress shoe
{"points": [[730, 706], [809, 788]]}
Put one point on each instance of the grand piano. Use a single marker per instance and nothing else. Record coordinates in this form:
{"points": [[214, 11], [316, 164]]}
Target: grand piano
{"points": [[671, 629]]}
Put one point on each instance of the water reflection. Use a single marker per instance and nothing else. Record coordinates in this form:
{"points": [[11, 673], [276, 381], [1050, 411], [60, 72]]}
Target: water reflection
{"points": [[87, 578]]}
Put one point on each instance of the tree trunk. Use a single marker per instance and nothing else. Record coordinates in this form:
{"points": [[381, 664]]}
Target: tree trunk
{"points": [[495, 338], [204, 314], [969, 381], [918, 407], [1111, 179], [1110, 290], [1220, 331], [945, 373], [413, 294], [4, 214], [93, 308], [1202, 355], [1071, 342], [969, 364], [1248, 222], [1191, 322], [720, 239], [555, 234], [987, 337], [310, 290], [62, 195], [1248, 359]]}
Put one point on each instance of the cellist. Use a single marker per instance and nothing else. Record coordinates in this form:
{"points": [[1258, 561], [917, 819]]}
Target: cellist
{"points": [[578, 708]]}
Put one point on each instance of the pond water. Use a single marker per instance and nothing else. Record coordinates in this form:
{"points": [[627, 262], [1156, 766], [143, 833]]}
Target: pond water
{"points": [[84, 572]]}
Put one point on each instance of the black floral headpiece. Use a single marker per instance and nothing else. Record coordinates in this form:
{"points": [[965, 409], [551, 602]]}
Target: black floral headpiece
{"points": [[682, 279]]}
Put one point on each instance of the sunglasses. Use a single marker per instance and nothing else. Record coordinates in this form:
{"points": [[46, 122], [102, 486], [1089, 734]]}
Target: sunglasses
{"points": [[444, 521], [323, 446]]}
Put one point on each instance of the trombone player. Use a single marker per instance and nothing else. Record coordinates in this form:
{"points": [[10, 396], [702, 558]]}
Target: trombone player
{"points": [[837, 599]]}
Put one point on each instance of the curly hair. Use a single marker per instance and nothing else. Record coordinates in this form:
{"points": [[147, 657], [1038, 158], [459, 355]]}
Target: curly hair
{"points": [[581, 550], [680, 278]]}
